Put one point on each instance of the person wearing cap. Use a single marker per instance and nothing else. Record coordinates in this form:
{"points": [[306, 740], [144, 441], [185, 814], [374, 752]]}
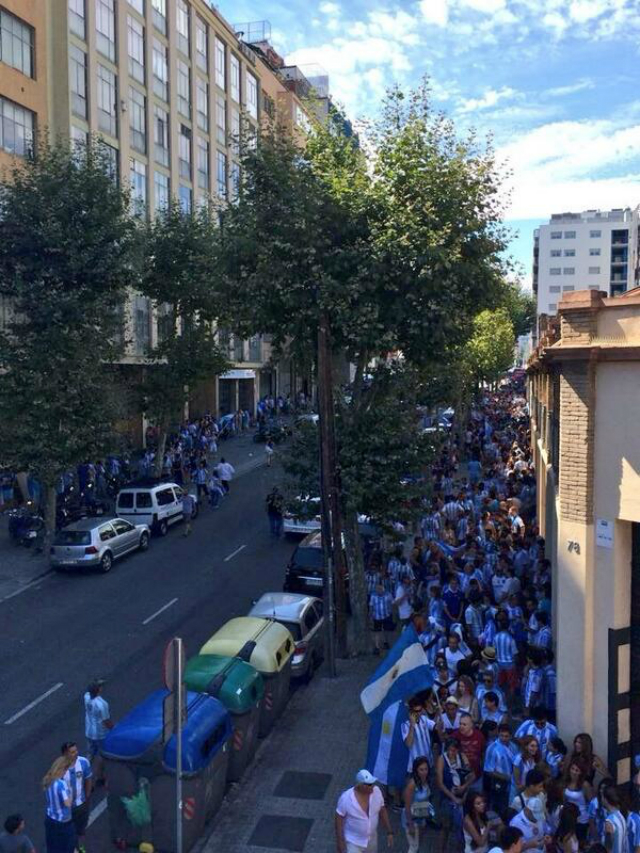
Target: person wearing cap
{"points": [[530, 821], [449, 721], [97, 722], [358, 812]]}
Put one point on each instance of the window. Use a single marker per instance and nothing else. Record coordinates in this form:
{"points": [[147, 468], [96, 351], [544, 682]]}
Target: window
{"points": [[203, 164], [302, 120], [79, 137], [160, 59], [569, 253], [566, 287], [556, 235], [138, 120], [106, 28], [161, 191], [107, 97], [161, 135], [16, 43], [165, 497], [268, 105], [182, 26], [569, 271], [141, 323], [202, 104], [110, 155], [595, 234], [107, 532], [235, 130], [138, 179], [252, 96], [555, 271], [221, 120], [235, 77], [78, 81], [185, 198], [17, 126], [570, 235], [77, 19], [235, 180], [221, 76], [594, 270], [184, 152], [221, 173], [553, 306], [138, 5], [159, 14], [555, 288], [556, 253], [184, 89], [202, 45], [122, 526], [594, 253], [594, 287], [135, 44]]}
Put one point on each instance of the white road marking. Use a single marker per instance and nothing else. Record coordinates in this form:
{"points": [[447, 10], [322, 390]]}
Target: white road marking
{"points": [[25, 587], [94, 814], [33, 704], [158, 612], [237, 551]]}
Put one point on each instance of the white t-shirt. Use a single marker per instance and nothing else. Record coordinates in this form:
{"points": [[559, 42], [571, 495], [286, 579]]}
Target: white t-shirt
{"points": [[531, 830], [452, 660], [404, 607], [226, 471], [359, 827]]}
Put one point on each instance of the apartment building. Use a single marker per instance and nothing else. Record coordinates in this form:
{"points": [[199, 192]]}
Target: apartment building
{"points": [[595, 250], [584, 401]]}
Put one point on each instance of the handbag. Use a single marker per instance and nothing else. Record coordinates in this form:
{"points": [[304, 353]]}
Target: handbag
{"points": [[422, 809]]}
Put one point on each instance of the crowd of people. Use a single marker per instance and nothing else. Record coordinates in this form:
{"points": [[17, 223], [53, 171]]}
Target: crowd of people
{"points": [[485, 764]]}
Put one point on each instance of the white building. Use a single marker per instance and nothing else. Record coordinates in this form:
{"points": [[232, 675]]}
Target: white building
{"points": [[595, 250]]}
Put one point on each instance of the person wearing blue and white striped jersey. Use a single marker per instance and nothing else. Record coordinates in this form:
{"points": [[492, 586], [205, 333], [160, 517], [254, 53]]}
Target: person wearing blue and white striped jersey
{"points": [[506, 652], [633, 824], [542, 638], [498, 766], [487, 684], [381, 610], [533, 680], [539, 727], [615, 825], [79, 778], [60, 833]]}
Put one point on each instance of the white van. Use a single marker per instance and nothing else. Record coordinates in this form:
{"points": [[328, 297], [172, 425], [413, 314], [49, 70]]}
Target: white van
{"points": [[158, 505]]}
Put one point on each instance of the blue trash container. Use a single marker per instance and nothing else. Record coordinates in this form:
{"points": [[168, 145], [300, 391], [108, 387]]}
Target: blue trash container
{"points": [[137, 763]]}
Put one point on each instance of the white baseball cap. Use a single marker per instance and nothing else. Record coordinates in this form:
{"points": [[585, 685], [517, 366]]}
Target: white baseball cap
{"points": [[363, 777]]}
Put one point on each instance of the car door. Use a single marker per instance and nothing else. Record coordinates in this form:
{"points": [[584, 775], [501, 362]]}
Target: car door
{"points": [[107, 537], [166, 504], [126, 536]]}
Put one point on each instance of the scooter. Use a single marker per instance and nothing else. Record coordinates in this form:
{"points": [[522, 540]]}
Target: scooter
{"points": [[25, 525]]}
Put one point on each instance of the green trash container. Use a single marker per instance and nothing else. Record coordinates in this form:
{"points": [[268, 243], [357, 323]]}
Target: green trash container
{"points": [[266, 645], [240, 688]]}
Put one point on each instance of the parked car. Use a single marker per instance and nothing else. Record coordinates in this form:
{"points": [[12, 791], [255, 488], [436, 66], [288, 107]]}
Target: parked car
{"points": [[96, 543], [302, 516], [302, 615], [155, 503], [309, 418], [276, 431]]}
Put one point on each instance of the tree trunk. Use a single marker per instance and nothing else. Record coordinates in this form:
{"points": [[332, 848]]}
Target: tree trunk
{"points": [[162, 443], [357, 585], [51, 502]]}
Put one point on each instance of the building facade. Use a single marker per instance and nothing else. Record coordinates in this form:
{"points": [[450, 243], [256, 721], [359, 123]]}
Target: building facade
{"points": [[595, 249], [584, 381]]}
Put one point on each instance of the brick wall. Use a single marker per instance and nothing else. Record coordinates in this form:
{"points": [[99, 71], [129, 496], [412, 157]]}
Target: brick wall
{"points": [[577, 419]]}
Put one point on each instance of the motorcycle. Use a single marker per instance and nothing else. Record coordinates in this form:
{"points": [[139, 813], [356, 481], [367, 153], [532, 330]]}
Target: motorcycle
{"points": [[25, 525]]}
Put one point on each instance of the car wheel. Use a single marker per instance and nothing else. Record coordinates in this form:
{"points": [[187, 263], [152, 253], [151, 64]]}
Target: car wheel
{"points": [[163, 527], [106, 563], [144, 541]]}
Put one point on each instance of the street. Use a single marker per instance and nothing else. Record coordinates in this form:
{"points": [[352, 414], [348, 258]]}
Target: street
{"points": [[68, 629]]}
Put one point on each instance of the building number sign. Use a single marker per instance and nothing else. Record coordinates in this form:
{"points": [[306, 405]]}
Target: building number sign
{"points": [[573, 546]]}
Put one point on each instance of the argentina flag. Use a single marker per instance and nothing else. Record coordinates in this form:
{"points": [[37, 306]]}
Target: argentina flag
{"points": [[404, 672]]}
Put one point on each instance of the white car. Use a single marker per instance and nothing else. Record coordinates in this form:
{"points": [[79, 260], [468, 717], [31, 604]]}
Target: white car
{"points": [[158, 505], [306, 522]]}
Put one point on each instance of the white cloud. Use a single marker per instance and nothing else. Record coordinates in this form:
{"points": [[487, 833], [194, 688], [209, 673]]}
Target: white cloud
{"points": [[556, 22], [585, 10], [569, 89], [490, 7], [490, 98], [330, 9], [435, 12]]}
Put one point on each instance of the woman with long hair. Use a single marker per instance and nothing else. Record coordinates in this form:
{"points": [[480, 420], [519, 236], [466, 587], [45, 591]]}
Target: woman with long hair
{"points": [[475, 825], [60, 832], [418, 812], [578, 791], [467, 702], [530, 757], [566, 835], [454, 776], [583, 750]]}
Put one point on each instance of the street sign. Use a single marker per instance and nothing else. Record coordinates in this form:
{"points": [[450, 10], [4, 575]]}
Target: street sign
{"points": [[173, 652]]}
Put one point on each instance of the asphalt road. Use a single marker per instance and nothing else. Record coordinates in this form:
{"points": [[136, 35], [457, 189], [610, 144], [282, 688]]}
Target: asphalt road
{"points": [[68, 629]]}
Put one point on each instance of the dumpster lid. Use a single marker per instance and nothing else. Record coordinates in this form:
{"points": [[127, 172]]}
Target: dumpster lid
{"points": [[273, 647], [207, 728], [237, 684]]}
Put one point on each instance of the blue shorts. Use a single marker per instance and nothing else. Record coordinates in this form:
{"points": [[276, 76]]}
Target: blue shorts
{"points": [[94, 747]]}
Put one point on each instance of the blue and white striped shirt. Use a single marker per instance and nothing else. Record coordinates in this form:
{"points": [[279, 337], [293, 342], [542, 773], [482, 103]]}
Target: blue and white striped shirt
{"points": [[482, 689], [533, 685], [381, 606], [633, 831], [499, 758], [554, 761], [75, 777], [506, 648], [619, 826], [543, 735], [96, 711], [56, 794], [431, 526], [549, 687], [542, 638], [473, 621], [598, 814]]}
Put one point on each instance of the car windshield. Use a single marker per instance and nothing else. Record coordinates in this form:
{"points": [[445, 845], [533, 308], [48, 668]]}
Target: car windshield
{"points": [[308, 558], [72, 537], [294, 628]]}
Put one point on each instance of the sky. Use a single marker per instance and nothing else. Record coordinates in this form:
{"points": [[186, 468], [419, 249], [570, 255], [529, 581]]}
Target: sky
{"points": [[554, 82]]}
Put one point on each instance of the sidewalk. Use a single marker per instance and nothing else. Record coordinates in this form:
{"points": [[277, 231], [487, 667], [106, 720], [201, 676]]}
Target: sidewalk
{"points": [[286, 800], [21, 567]]}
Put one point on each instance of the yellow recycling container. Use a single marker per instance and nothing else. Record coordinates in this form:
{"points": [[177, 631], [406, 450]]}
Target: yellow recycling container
{"points": [[268, 646]]}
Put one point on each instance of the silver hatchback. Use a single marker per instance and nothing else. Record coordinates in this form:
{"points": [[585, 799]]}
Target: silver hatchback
{"points": [[96, 543], [302, 615]]}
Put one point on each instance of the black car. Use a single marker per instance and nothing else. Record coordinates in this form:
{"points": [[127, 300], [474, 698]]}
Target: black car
{"points": [[305, 572]]}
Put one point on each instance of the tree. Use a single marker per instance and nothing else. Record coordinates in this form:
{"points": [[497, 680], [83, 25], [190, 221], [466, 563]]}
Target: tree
{"points": [[521, 306], [66, 243], [177, 277], [490, 350]]}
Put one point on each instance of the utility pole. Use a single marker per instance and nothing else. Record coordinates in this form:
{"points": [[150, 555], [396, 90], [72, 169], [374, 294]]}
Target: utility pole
{"points": [[331, 519]]}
